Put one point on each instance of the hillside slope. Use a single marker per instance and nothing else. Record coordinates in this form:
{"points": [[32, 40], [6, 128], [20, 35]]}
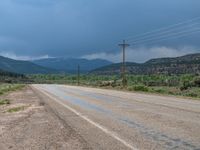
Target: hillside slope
{"points": [[188, 64], [22, 67], [69, 65]]}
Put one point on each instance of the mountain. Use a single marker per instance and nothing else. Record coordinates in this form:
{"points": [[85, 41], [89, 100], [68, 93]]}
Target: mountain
{"points": [[188, 64], [69, 65], [22, 67]]}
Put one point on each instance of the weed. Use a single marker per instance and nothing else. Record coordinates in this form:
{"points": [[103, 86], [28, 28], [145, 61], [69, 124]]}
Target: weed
{"points": [[138, 88], [16, 109], [4, 88], [4, 102]]}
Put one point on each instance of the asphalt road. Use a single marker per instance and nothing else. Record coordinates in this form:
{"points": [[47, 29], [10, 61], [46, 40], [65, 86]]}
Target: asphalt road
{"points": [[109, 119]]}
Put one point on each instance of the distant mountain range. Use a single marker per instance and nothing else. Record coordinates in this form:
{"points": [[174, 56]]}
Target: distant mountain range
{"points": [[69, 65], [188, 64], [23, 67], [50, 66], [179, 65]]}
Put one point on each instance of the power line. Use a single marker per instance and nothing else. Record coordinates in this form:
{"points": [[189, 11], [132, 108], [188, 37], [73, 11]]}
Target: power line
{"points": [[166, 38], [164, 28], [150, 36], [165, 32], [167, 35]]}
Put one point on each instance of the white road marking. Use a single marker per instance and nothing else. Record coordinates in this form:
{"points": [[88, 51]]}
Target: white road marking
{"points": [[105, 130]]}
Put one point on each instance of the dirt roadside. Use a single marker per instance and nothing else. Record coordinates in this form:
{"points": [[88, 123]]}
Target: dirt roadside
{"points": [[35, 126]]}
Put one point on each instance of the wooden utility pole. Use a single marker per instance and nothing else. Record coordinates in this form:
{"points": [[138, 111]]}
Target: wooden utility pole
{"points": [[78, 75], [124, 45]]}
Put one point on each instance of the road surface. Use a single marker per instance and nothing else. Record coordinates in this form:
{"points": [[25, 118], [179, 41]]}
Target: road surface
{"points": [[109, 119]]}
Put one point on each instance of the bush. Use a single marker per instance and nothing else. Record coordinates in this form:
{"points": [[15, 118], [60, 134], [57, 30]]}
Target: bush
{"points": [[4, 102], [139, 88], [106, 83], [186, 85], [160, 91], [151, 83], [171, 93], [192, 95], [197, 81]]}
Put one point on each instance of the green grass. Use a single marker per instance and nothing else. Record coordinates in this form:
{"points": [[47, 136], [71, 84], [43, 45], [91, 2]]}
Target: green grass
{"points": [[5, 88], [16, 109], [4, 102]]}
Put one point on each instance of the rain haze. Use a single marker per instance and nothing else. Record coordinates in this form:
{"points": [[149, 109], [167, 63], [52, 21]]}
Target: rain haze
{"points": [[34, 29]]}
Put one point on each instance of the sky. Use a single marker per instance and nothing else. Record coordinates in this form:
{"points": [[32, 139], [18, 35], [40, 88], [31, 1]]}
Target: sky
{"points": [[35, 29]]}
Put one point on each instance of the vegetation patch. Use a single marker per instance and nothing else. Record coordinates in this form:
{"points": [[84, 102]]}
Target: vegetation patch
{"points": [[139, 88], [16, 109], [4, 101], [160, 90], [4, 88]]}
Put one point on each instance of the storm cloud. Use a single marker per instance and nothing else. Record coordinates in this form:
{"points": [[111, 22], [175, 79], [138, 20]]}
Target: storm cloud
{"points": [[77, 28]]}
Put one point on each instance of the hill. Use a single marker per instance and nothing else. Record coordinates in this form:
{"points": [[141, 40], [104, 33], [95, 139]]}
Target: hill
{"points": [[69, 65], [22, 67], [188, 64]]}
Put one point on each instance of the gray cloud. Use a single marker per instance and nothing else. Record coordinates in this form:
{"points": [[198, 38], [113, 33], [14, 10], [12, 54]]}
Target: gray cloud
{"points": [[12, 55], [143, 54], [76, 28]]}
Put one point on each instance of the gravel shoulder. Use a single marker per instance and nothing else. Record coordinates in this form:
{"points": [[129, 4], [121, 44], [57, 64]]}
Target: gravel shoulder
{"points": [[36, 126]]}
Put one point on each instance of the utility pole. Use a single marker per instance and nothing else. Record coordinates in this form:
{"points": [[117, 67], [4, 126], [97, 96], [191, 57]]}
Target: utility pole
{"points": [[78, 75], [124, 45]]}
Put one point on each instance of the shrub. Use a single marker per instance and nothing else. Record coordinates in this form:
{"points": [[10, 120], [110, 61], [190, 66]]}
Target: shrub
{"points": [[186, 85], [151, 83], [197, 81], [139, 88], [192, 95], [4, 102], [16, 109], [159, 90], [171, 93]]}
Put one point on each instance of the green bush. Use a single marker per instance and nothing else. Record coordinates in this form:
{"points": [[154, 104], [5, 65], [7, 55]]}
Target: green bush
{"points": [[192, 94], [197, 82], [138, 88], [4, 102], [160, 90], [186, 85], [171, 93], [16, 109]]}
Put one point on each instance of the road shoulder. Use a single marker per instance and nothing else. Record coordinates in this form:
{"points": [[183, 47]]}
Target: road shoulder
{"points": [[36, 126]]}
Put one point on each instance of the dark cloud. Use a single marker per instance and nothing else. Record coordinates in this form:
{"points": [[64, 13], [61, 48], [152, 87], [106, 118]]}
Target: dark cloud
{"points": [[80, 27]]}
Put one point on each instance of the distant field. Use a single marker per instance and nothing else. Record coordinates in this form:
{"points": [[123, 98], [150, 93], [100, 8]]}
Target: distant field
{"points": [[180, 85]]}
